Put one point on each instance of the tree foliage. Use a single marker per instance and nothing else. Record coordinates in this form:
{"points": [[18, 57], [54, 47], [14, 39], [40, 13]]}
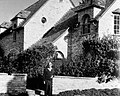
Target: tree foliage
{"points": [[98, 59], [103, 57], [1, 59], [31, 61]]}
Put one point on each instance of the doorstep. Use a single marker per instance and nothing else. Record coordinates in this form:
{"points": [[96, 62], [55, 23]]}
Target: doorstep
{"points": [[36, 92]]}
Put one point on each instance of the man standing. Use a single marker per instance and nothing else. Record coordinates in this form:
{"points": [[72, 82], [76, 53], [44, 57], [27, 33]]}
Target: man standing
{"points": [[48, 75]]}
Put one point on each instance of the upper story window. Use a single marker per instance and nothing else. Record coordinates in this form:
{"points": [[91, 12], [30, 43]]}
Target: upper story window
{"points": [[86, 24], [14, 36], [116, 21], [14, 26], [116, 24]]}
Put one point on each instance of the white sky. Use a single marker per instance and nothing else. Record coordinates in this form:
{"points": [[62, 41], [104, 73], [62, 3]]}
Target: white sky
{"points": [[9, 8]]}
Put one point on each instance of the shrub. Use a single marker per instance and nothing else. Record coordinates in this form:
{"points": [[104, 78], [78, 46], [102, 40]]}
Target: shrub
{"points": [[31, 61], [91, 92], [2, 67], [98, 59], [1, 59]]}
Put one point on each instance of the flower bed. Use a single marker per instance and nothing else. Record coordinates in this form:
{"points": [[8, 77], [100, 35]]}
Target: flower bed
{"points": [[91, 92]]}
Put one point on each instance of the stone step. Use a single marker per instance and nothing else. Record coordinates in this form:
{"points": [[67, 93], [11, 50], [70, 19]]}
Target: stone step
{"points": [[36, 92]]}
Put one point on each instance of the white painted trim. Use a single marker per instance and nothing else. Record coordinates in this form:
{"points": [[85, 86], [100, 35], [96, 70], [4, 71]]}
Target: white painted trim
{"points": [[60, 35], [106, 9]]}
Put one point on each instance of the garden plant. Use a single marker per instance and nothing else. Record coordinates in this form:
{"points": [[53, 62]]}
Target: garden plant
{"points": [[98, 59]]}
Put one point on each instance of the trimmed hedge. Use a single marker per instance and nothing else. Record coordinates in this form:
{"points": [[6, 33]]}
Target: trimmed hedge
{"points": [[91, 92]]}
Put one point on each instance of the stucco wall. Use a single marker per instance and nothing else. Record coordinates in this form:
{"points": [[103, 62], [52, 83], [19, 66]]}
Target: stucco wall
{"points": [[53, 10], [106, 21], [62, 44], [64, 83], [13, 84]]}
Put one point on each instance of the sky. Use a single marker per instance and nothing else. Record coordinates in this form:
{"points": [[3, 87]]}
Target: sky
{"points": [[9, 8]]}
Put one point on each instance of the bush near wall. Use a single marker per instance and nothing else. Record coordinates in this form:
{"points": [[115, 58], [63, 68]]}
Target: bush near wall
{"points": [[98, 59], [31, 61], [91, 92]]}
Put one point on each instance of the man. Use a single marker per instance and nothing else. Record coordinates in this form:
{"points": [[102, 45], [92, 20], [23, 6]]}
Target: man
{"points": [[48, 75]]}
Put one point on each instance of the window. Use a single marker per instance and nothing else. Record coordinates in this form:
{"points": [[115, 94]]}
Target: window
{"points": [[14, 36], [116, 24], [43, 20], [15, 26], [86, 24]]}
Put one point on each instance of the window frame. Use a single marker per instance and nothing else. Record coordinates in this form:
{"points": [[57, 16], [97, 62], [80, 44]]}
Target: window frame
{"points": [[14, 36], [116, 23], [86, 24]]}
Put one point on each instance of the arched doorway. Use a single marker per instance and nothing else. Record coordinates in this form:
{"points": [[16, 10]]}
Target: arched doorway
{"points": [[59, 60], [61, 54]]}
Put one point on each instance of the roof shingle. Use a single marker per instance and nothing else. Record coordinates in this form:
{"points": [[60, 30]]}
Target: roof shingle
{"points": [[23, 14], [5, 25], [30, 11], [108, 4]]}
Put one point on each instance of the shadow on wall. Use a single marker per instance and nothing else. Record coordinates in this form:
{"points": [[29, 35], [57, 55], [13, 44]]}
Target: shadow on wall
{"points": [[35, 83], [17, 86]]}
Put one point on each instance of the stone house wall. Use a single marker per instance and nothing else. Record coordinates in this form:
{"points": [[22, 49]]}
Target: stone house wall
{"points": [[76, 36], [9, 45]]}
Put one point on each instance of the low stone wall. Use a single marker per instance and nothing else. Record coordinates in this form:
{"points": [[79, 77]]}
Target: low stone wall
{"points": [[64, 83], [13, 84]]}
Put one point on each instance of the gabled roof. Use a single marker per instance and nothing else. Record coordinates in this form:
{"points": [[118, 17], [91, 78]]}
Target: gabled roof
{"points": [[22, 14], [28, 12], [59, 28], [63, 23], [31, 10], [5, 25], [90, 3], [108, 5], [117, 11], [66, 21]]}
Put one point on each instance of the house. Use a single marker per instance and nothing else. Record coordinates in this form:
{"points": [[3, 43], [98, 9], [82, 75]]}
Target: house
{"points": [[95, 18], [66, 23], [40, 20], [109, 19]]}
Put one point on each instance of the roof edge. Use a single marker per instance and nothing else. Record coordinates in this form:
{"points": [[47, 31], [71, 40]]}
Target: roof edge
{"points": [[29, 17], [104, 11]]}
